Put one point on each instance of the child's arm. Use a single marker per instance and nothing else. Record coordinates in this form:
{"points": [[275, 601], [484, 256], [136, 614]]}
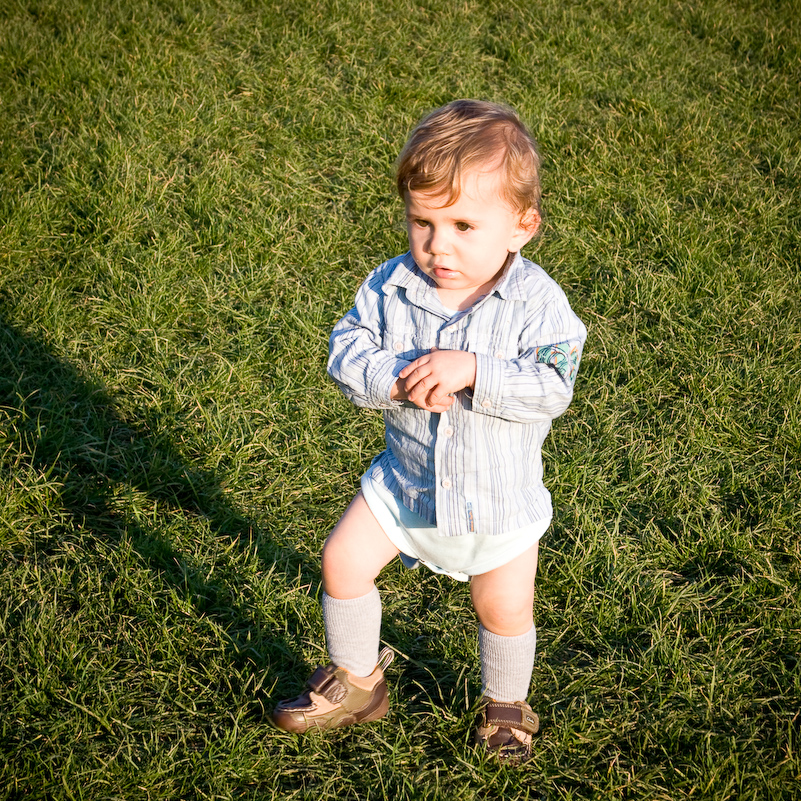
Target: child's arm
{"points": [[538, 382], [364, 370], [430, 381]]}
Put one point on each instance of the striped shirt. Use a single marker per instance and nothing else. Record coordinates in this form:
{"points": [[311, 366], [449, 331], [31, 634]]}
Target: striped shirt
{"points": [[478, 466]]}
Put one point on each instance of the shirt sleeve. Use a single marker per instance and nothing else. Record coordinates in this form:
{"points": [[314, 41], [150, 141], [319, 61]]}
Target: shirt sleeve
{"points": [[357, 361], [538, 383]]}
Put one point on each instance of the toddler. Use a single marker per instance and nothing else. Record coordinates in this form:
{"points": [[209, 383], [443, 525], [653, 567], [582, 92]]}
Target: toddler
{"points": [[471, 351]]}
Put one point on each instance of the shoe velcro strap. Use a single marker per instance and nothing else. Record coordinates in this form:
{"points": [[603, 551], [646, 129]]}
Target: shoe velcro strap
{"points": [[324, 682], [511, 715]]}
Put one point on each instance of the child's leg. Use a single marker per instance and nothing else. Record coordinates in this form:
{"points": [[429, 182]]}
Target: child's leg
{"points": [[355, 552], [351, 689], [503, 600], [353, 556]]}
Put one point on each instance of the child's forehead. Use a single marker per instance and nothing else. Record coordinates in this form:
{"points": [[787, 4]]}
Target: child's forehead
{"points": [[483, 184]]}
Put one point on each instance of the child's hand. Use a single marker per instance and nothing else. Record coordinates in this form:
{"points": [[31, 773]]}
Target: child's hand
{"points": [[430, 381], [399, 393]]}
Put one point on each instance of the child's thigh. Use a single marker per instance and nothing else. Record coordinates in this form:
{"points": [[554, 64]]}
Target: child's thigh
{"points": [[355, 552], [504, 597]]}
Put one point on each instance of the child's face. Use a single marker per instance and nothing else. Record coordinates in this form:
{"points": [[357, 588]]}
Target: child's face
{"points": [[463, 247]]}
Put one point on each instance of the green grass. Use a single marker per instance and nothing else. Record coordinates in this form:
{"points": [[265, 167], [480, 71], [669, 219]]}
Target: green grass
{"points": [[190, 194]]}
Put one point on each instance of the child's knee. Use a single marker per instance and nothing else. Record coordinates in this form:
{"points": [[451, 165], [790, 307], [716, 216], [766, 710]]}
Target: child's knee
{"points": [[334, 549], [503, 611], [504, 621], [336, 559], [352, 559]]}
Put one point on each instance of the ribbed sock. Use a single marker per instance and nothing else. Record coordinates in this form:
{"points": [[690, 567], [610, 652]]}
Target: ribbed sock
{"points": [[352, 631], [506, 664]]}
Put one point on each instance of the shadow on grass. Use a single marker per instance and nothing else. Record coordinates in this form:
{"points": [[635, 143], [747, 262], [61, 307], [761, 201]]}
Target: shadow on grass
{"points": [[66, 427]]}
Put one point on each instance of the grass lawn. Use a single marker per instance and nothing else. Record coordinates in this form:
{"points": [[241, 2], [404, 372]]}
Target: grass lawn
{"points": [[190, 194]]}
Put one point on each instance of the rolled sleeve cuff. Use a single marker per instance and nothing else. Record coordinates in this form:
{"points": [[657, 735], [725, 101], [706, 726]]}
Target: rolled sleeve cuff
{"points": [[487, 392], [382, 382]]}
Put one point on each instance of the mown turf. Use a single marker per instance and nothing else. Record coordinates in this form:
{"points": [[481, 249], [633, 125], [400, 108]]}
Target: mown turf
{"points": [[190, 194]]}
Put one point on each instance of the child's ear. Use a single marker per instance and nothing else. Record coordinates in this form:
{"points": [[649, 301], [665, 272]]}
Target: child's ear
{"points": [[526, 229]]}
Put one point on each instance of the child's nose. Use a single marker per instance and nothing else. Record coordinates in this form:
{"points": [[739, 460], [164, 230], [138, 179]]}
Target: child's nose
{"points": [[437, 243]]}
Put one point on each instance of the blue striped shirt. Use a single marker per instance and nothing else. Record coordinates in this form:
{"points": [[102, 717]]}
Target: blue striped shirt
{"points": [[478, 466]]}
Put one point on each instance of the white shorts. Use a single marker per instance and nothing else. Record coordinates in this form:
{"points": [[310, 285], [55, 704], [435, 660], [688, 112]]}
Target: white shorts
{"points": [[458, 557]]}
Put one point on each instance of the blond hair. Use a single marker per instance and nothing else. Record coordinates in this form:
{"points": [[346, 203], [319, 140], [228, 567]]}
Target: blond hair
{"points": [[465, 135]]}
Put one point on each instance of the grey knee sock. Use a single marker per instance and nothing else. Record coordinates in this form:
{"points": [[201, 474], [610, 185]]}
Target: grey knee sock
{"points": [[352, 631], [506, 664]]}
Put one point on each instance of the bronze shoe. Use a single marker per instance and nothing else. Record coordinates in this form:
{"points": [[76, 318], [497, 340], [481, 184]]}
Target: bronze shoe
{"points": [[334, 698]]}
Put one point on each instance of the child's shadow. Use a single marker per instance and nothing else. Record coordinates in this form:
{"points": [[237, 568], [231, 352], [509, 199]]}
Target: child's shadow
{"points": [[65, 427]]}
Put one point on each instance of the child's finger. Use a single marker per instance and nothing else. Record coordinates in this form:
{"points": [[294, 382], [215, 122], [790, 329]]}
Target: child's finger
{"points": [[410, 368], [438, 397], [441, 406], [416, 376], [418, 389], [437, 394]]}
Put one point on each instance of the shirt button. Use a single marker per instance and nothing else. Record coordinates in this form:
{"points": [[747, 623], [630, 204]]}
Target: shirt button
{"points": [[448, 432], [398, 346], [486, 403], [498, 354], [446, 483]]}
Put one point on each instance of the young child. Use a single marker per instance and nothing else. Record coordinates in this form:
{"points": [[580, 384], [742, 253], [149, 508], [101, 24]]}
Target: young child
{"points": [[471, 351]]}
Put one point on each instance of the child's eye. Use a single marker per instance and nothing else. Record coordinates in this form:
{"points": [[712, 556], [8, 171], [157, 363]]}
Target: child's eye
{"points": [[463, 226], [420, 223]]}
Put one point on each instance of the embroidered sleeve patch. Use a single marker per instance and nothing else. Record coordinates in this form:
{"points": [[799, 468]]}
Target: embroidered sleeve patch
{"points": [[563, 357]]}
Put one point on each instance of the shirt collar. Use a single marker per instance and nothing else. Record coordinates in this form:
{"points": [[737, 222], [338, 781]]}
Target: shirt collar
{"points": [[511, 283], [408, 275]]}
